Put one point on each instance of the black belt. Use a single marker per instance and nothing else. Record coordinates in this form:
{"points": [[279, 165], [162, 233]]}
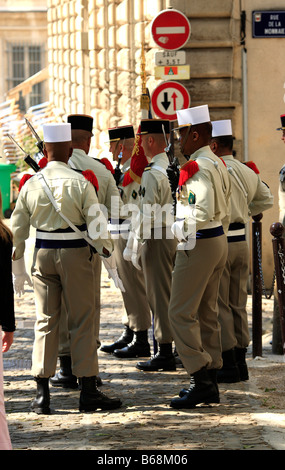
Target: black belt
{"points": [[238, 237], [57, 239], [210, 232]]}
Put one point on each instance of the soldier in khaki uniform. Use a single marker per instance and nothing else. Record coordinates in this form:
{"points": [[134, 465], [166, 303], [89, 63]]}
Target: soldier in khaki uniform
{"points": [[203, 211], [250, 196], [134, 340], [159, 246], [62, 265], [108, 197]]}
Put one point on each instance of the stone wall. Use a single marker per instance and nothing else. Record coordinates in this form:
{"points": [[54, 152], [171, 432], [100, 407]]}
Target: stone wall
{"points": [[95, 48]]}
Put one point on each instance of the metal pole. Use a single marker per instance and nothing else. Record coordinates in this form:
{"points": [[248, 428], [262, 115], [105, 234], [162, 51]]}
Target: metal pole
{"points": [[256, 289], [276, 231]]}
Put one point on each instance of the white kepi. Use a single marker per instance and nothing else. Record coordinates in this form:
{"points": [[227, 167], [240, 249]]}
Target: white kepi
{"points": [[221, 128], [192, 116], [57, 132]]}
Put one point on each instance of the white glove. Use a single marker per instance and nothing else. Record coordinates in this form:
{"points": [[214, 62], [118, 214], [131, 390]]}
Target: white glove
{"points": [[132, 252], [110, 265], [178, 230], [20, 276], [127, 253], [136, 254]]}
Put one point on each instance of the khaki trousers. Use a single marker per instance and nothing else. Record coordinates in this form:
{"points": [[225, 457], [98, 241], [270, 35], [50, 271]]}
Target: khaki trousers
{"points": [[157, 259], [137, 316], [66, 272], [193, 310], [64, 338], [233, 297]]}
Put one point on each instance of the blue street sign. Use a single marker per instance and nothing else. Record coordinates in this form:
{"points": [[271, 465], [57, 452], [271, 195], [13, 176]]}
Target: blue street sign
{"points": [[268, 24]]}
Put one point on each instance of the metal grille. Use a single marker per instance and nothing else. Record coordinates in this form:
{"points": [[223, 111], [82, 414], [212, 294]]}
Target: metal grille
{"points": [[35, 55], [26, 60]]}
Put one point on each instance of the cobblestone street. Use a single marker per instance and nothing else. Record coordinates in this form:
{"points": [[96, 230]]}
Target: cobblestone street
{"points": [[245, 418]]}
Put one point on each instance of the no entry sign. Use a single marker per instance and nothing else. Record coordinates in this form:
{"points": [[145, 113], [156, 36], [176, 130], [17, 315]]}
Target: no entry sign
{"points": [[170, 29], [169, 97]]}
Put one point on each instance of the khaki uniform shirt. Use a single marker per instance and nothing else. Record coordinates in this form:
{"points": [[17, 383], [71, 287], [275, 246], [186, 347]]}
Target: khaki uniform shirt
{"points": [[108, 192], [250, 196], [129, 193], [155, 190], [75, 196], [208, 189]]}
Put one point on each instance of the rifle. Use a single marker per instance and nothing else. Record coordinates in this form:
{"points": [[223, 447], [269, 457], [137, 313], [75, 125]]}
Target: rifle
{"points": [[172, 170], [40, 143], [118, 173], [28, 159]]}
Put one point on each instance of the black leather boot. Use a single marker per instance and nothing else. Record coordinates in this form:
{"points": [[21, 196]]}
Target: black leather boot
{"points": [[139, 347], [201, 390], [177, 359], [229, 373], [91, 398], [163, 360], [64, 378], [212, 373], [122, 342], [41, 404], [241, 363]]}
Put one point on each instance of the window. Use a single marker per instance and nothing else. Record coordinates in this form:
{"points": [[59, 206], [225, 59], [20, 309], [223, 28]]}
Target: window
{"points": [[24, 61]]}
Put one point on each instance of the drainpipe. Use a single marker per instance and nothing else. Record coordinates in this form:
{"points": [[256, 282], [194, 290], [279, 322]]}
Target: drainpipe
{"points": [[244, 87]]}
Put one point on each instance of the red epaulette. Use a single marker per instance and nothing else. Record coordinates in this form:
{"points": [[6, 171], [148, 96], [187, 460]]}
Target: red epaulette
{"points": [[107, 164], [23, 180], [187, 171], [43, 162], [127, 179], [90, 176], [252, 166]]}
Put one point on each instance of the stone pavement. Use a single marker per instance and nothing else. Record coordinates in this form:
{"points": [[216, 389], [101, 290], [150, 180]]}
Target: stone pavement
{"points": [[244, 420]]}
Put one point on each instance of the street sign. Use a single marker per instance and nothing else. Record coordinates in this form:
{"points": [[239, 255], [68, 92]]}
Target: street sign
{"points": [[173, 72], [170, 58], [170, 29], [169, 97], [268, 24]]}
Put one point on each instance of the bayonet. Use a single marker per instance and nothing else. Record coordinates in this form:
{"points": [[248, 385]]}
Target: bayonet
{"points": [[28, 159], [40, 144]]}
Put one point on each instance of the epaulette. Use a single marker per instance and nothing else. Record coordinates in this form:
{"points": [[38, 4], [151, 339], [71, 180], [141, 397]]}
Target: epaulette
{"points": [[148, 167], [90, 176], [43, 162], [107, 164], [127, 179], [252, 166], [23, 180], [187, 171]]}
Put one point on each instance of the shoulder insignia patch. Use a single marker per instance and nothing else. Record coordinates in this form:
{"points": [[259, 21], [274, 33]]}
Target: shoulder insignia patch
{"points": [[252, 166], [187, 171], [191, 197]]}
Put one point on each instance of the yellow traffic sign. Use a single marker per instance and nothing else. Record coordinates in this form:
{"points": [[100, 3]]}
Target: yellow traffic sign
{"points": [[172, 72]]}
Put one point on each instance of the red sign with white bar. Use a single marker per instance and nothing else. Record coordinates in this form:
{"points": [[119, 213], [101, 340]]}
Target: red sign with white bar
{"points": [[169, 97], [170, 29]]}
